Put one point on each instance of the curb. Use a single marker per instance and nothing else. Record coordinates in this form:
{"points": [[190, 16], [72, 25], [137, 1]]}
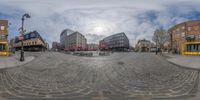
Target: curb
{"points": [[186, 67], [20, 64]]}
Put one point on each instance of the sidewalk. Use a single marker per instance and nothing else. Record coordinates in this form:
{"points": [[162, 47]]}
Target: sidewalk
{"points": [[187, 61], [13, 61]]}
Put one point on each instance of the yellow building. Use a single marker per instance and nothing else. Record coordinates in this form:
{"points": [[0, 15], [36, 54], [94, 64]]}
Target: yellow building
{"points": [[4, 38]]}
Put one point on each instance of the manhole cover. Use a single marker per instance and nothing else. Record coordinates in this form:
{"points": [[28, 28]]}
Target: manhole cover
{"points": [[120, 63]]}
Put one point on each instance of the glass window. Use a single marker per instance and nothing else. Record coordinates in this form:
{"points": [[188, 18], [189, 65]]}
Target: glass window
{"points": [[26, 37], [33, 35], [2, 47], [191, 36], [2, 27], [189, 28], [199, 47], [183, 34]]}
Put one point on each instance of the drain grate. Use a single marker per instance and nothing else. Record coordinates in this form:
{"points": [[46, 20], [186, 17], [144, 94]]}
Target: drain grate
{"points": [[120, 63]]}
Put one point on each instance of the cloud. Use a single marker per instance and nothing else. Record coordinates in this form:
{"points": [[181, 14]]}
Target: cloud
{"points": [[137, 18]]}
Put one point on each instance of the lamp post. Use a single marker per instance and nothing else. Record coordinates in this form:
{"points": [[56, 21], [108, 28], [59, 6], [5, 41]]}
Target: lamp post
{"points": [[22, 35], [156, 44]]}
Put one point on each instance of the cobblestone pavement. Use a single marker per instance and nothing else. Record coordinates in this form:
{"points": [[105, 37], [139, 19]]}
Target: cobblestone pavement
{"points": [[121, 76]]}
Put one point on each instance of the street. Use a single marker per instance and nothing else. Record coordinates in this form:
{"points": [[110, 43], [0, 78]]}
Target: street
{"points": [[120, 76]]}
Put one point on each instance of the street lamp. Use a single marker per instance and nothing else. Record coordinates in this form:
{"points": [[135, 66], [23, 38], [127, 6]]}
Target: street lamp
{"points": [[22, 34]]}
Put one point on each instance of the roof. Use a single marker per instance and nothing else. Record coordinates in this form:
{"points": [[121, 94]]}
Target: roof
{"points": [[65, 31], [115, 34], [144, 40], [175, 26]]}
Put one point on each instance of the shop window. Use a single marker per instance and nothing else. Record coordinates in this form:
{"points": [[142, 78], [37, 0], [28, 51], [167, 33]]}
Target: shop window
{"points": [[199, 36], [2, 47], [199, 47]]}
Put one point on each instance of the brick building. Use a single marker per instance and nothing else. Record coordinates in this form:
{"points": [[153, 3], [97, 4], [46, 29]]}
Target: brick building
{"points": [[55, 46], [185, 37]]}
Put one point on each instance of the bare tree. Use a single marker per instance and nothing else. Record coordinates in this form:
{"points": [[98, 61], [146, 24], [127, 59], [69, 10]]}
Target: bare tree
{"points": [[160, 37]]}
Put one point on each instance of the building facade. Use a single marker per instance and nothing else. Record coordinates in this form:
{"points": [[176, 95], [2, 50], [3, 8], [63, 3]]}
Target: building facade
{"points": [[103, 45], [116, 42], [63, 38], [32, 42], [4, 37], [92, 47], [144, 46], [76, 42], [185, 38], [11, 44], [55, 46]]}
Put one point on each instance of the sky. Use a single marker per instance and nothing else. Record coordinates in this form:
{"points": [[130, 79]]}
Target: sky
{"points": [[96, 19]]}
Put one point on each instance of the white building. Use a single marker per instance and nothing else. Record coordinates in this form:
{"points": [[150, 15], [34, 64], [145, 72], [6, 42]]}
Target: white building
{"points": [[63, 37], [144, 45], [92, 46], [76, 41]]}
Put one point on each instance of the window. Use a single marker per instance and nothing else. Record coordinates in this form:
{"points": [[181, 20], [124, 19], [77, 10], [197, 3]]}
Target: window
{"points": [[2, 27], [183, 27], [26, 37], [33, 35], [183, 34], [197, 36], [191, 36], [189, 28], [177, 30], [195, 27]]}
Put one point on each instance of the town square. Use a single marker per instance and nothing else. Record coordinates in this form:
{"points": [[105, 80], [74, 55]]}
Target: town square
{"points": [[99, 50]]}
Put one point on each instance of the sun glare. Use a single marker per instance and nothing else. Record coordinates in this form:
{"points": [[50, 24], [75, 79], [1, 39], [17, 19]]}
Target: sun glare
{"points": [[99, 29]]}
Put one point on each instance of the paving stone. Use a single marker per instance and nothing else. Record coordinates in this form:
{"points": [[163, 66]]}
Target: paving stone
{"points": [[120, 76]]}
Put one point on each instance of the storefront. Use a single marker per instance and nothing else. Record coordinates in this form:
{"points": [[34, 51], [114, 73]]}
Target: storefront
{"points": [[3, 48], [4, 38], [191, 48]]}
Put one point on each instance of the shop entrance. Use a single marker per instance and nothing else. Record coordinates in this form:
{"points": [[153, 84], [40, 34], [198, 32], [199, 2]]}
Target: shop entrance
{"points": [[193, 47], [2, 47]]}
